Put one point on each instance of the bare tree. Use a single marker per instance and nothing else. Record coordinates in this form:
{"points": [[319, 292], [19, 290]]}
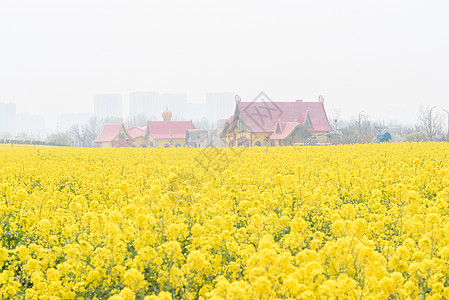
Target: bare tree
{"points": [[335, 120], [137, 120], [361, 131], [84, 134], [430, 123], [95, 126], [78, 134], [447, 128]]}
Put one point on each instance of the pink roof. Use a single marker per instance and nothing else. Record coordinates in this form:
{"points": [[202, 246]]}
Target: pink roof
{"points": [[137, 131], [263, 116], [169, 129], [286, 128], [110, 132]]}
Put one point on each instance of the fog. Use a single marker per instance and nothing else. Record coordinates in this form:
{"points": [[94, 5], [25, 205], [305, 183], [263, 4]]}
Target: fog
{"points": [[386, 58]]}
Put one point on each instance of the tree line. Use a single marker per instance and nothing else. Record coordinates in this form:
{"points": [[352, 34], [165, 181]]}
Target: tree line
{"points": [[430, 126]]}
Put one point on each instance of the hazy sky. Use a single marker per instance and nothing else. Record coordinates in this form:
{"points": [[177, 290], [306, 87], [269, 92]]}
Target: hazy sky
{"points": [[384, 57]]}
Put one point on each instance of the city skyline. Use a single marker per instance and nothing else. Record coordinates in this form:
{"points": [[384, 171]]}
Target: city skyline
{"points": [[21, 122], [385, 58], [203, 110]]}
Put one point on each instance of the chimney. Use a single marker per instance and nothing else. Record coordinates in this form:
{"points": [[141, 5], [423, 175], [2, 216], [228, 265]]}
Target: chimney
{"points": [[298, 100]]}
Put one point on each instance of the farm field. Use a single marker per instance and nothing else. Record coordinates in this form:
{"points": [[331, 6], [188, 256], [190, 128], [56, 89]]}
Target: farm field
{"points": [[335, 222]]}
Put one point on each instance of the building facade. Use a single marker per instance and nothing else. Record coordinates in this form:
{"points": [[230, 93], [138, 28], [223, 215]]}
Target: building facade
{"points": [[66, 121], [144, 104], [274, 123], [200, 138], [30, 124], [108, 106], [167, 133], [137, 135], [219, 105], [113, 136], [7, 120]]}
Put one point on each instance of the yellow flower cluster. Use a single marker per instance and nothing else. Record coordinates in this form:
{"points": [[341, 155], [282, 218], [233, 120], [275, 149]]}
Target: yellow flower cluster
{"points": [[336, 222]]}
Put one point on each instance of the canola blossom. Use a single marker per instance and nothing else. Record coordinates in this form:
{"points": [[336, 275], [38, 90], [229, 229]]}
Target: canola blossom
{"points": [[334, 222]]}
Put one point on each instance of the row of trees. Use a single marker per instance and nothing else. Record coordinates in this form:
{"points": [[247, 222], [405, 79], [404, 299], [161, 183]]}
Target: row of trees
{"points": [[430, 126]]}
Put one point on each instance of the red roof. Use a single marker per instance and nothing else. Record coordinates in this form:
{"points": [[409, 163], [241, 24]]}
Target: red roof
{"points": [[137, 131], [263, 116], [285, 129], [110, 132], [169, 129]]}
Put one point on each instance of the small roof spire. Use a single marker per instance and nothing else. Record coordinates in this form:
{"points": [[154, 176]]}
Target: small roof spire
{"points": [[166, 114]]}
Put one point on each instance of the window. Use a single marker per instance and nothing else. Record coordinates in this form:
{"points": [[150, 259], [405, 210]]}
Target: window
{"points": [[258, 144], [278, 129], [307, 123], [240, 125]]}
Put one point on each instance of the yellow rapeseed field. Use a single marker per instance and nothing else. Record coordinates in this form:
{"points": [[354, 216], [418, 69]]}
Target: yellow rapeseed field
{"points": [[336, 222]]}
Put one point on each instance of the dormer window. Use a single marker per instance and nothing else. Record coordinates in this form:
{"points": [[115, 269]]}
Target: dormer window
{"points": [[307, 123], [240, 125], [278, 129]]}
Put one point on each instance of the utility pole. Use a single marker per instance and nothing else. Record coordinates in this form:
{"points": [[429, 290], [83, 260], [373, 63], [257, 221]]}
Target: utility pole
{"points": [[360, 122], [360, 126], [447, 112], [430, 123], [267, 139]]}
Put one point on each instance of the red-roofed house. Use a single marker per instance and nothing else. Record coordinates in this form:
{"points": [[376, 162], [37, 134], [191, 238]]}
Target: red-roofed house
{"points": [[137, 135], [113, 135], [282, 123], [167, 133]]}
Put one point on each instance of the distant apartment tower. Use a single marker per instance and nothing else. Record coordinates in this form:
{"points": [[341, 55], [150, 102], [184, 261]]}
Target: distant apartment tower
{"points": [[144, 104], [108, 106], [7, 119], [30, 124], [66, 121], [196, 111], [219, 106]]}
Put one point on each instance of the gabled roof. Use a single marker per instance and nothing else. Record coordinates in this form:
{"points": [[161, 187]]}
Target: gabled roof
{"points": [[307, 122], [286, 128], [262, 117], [226, 126], [197, 135], [110, 132], [168, 129], [137, 131], [384, 135]]}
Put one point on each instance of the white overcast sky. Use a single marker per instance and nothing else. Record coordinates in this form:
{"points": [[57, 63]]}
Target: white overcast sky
{"points": [[383, 57]]}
